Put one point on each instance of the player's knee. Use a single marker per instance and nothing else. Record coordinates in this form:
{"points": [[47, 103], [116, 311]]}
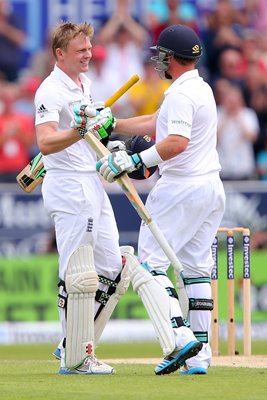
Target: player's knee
{"points": [[113, 288], [139, 273], [81, 276], [124, 279], [198, 285], [199, 293], [83, 282]]}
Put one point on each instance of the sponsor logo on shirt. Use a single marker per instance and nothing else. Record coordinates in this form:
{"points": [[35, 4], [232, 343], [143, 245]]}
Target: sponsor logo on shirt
{"points": [[42, 111], [175, 122]]}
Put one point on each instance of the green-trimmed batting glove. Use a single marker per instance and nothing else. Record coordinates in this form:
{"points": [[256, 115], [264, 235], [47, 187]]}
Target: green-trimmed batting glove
{"points": [[100, 126]]}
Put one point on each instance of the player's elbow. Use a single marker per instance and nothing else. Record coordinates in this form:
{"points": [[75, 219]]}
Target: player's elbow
{"points": [[46, 138], [178, 144], [44, 151], [43, 147]]}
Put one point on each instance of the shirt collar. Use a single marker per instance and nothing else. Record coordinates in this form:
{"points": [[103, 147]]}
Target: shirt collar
{"points": [[184, 77], [69, 82]]}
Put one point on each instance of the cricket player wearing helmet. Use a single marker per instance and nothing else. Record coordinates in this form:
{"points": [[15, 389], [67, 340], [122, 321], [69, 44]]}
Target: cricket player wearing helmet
{"points": [[91, 274], [187, 202]]}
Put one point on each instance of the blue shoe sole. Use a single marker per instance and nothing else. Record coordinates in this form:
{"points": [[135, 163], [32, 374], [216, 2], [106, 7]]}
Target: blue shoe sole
{"points": [[194, 371], [57, 353], [171, 364], [64, 371]]}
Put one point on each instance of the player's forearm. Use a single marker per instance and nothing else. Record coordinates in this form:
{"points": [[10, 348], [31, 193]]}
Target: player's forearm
{"points": [[60, 140], [171, 146], [141, 125]]}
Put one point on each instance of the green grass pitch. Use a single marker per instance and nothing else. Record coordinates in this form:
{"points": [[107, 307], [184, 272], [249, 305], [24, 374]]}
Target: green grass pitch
{"points": [[30, 372]]}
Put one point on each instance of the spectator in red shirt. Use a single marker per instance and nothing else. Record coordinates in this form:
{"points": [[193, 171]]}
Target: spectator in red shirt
{"points": [[16, 135]]}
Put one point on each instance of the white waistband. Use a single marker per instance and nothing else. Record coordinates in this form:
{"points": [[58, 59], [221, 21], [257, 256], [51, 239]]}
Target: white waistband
{"points": [[63, 172], [196, 178]]}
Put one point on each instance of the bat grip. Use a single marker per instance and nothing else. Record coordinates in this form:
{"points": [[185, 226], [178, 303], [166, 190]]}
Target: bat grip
{"points": [[91, 112], [123, 89]]}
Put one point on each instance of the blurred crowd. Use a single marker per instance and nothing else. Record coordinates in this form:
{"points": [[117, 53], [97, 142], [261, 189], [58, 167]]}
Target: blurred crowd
{"points": [[234, 38]]}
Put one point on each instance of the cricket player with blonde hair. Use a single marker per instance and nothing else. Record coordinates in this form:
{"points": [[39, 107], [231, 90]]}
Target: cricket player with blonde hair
{"points": [[91, 273]]}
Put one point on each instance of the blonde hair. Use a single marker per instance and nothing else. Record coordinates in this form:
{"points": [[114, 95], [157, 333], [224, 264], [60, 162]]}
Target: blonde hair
{"points": [[66, 31]]}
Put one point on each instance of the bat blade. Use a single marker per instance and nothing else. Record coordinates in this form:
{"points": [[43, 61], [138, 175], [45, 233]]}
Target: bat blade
{"points": [[32, 175]]}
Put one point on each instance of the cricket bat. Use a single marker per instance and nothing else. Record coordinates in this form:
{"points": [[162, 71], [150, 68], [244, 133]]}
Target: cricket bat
{"points": [[33, 174]]}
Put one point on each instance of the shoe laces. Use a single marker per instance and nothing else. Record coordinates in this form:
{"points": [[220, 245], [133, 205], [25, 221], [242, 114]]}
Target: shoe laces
{"points": [[92, 360]]}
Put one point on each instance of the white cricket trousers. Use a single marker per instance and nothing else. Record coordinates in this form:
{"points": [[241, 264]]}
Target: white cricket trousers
{"points": [[189, 213], [82, 214]]}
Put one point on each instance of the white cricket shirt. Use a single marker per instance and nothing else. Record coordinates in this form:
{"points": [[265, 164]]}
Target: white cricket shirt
{"points": [[189, 110], [54, 101]]}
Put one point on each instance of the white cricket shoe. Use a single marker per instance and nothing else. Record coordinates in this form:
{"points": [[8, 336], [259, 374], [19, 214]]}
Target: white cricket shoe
{"points": [[90, 366]]}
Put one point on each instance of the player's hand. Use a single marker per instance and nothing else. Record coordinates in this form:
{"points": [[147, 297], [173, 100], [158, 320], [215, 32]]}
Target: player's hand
{"points": [[80, 119], [100, 125], [115, 145], [114, 164], [98, 105], [91, 110]]}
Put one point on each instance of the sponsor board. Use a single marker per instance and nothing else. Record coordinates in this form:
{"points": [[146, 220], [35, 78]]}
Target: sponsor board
{"points": [[28, 289], [25, 227], [115, 331]]}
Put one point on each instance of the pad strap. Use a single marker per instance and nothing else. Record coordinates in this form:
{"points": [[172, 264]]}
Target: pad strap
{"points": [[200, 304], [103, 297], [202, 337], [193, 281], [170, 290], [179, 321], [62, 299], [116, 289]]}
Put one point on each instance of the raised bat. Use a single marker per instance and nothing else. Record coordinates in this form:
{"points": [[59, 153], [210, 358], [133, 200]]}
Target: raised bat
{"points": [[33, 174]]}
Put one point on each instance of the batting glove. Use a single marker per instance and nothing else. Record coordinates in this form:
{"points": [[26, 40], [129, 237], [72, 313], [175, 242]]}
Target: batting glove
{"points": [[100, 126], [114, 164], [79, 121], [93, 109], [116, 145]]}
